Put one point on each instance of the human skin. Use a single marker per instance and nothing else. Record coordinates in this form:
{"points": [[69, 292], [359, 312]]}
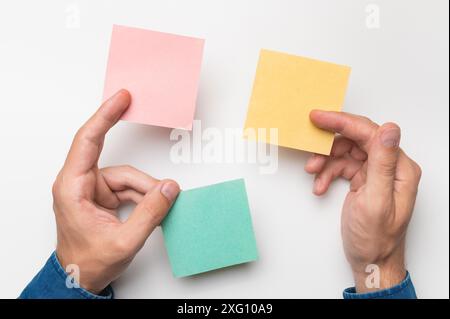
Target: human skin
{"points": [[383, 187], [375, 216], [85, 201]]}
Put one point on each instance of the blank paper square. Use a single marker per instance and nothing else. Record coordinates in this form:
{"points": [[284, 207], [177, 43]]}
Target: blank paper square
{"points": [[209, 228], [160, 70], [286, 89]]}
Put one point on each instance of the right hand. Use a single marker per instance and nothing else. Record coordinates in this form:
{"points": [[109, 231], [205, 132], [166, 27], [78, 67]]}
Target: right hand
{"points": [[383, 189]]}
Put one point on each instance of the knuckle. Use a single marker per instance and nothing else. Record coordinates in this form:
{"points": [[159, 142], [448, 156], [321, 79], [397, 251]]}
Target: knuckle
{"points": [[81, 133], [57, 185], [367, 122], [366, 119], [155, 214], [122, 246], [414, 171], [84, 133], [391, 125], [417, 171], [55, 188], [386, 168]]}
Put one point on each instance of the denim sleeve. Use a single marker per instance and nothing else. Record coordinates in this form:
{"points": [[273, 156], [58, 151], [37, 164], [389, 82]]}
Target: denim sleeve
{"points": [[50, 283], [404, 290]]}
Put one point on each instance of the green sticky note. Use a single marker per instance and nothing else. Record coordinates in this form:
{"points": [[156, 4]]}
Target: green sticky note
{"points": [[209, 228]]}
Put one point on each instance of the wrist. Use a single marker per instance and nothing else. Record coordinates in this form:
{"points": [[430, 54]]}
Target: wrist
{"points": [[85, 276], [378, 275]]}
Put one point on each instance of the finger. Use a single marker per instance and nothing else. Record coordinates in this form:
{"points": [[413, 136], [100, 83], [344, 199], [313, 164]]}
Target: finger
{"points": [[341, 146], [345, 167], [88, 141], [104, 195], [130, 195], [408, 172], [149, 213], [358, 154], [382, 161], [406, 186], [359, 179], [357, 128], [119, 178], [315, 163], [407, 180], [112, 180]]}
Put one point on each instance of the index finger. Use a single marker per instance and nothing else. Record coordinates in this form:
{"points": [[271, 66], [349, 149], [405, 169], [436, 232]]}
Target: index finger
{"points": [[88, 141], [357, 128]]}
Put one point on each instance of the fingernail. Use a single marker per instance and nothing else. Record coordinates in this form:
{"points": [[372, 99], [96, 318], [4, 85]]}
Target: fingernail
{"points": [[391, 138], [170, 191]]}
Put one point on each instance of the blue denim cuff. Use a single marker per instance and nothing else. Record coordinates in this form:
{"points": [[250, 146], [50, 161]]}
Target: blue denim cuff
{"points": [[404, 290], [50, 283]]}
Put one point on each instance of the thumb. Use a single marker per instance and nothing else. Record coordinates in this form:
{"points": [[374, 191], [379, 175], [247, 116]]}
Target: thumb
{"points": [[382, 160], [149, 213]]}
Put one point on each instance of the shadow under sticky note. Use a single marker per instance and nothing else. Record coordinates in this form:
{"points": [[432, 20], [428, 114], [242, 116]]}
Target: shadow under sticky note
{"points": [[286, 89], [160, 70], [209, 228]]}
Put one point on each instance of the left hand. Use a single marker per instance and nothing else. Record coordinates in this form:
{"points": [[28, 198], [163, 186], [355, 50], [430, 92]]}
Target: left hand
{"points": [[86, 198]]}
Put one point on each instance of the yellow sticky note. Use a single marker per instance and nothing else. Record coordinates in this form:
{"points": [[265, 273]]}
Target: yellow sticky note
{"points": [[286, 89]]}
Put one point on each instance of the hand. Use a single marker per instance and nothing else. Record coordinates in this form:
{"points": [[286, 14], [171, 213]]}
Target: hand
{"points": [[86, 198], [383, 189]]}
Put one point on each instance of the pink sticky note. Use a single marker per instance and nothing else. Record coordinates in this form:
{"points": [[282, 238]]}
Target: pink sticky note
{"points": [[160, 70]]}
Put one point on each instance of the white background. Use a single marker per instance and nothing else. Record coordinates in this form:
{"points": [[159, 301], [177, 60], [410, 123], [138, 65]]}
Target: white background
{"points": [[51, 80]]}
